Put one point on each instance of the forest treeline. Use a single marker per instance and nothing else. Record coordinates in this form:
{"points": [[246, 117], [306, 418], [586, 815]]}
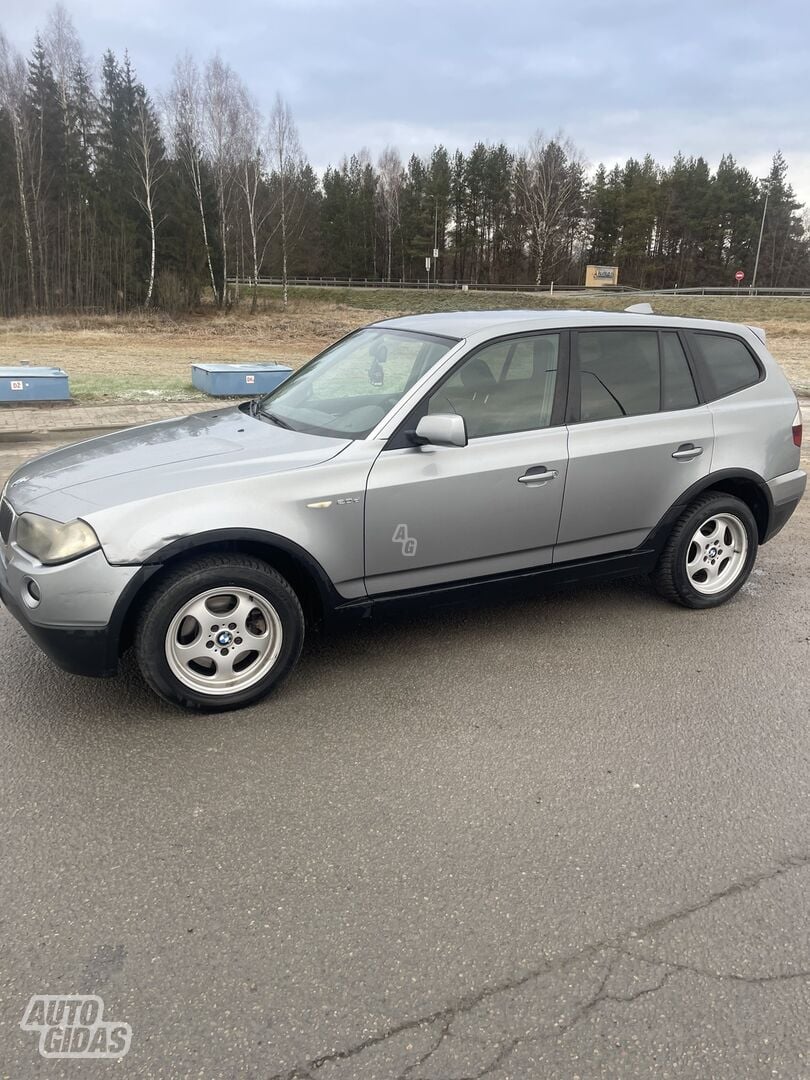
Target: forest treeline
{"points": [[113, 196]]}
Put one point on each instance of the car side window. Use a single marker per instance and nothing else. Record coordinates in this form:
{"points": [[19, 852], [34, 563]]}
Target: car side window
{"points": [[619, 373], [503, 388], [677, 385], [632, 373], [726, 364]]}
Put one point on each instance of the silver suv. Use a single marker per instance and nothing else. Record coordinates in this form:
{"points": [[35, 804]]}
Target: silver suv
{"points": [[417, 455]]}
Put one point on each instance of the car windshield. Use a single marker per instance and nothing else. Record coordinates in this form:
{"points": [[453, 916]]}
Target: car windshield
{"points": [[348, 389]]}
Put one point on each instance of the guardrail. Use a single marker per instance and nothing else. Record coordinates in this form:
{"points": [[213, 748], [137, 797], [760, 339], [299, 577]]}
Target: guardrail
{"points": [[454, 286], [725, 290], [551, 289]]}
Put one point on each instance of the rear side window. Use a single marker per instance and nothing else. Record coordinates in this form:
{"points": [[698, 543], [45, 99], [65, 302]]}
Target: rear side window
{"points": [[726, 364], [677, 386], [623, 373]]}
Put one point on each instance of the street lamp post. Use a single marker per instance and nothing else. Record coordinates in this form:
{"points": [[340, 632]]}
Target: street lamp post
{"points": [[761, 231], [435, 260], [435, 239]]}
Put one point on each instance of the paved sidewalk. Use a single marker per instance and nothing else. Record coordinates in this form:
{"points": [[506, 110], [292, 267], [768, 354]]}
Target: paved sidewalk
{"points": [[58, 417]]}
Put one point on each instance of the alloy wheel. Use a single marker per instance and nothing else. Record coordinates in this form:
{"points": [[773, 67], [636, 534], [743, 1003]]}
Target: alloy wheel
{"points": [[716, 554], [223, 640]]}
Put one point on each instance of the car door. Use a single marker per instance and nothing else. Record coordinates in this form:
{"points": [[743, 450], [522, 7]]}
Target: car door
{"points": [[638, 438], [438, 514]]}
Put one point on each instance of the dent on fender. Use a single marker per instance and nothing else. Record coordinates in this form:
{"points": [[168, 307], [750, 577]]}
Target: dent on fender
{"points": [[147, 554], [189, 542]]}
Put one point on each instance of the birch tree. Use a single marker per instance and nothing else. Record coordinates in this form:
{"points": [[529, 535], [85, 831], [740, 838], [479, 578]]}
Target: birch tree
{"points": [[149, 164], [390, 174], [250, 180], [40, 89], [221, 126], [183, 105], [286, 156], [63, 51], [12, 102], [65, 57], [549, 179]]}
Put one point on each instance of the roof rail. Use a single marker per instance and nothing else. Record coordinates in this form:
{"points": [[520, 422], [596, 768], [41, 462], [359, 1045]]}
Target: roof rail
{"points": [[640, 309]]}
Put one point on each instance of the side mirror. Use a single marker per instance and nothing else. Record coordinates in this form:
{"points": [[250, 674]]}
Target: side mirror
{"points": [[442, 429]]}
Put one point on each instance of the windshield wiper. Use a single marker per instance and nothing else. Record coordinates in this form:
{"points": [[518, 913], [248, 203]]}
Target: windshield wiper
{"points": [[277, 420]]}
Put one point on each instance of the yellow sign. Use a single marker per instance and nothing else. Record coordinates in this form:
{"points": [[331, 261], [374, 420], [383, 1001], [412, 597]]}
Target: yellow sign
{"points": [[599, 276]]}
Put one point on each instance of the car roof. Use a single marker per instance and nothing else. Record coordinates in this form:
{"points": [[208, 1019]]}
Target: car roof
{"points": [[464, 324]]}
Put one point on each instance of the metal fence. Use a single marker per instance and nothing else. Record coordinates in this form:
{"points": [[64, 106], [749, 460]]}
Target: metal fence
{"points": [[423, 283], [551, 288]]}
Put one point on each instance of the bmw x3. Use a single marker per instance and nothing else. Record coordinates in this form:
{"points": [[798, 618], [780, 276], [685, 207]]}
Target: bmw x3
{"points": [[417, 455]]}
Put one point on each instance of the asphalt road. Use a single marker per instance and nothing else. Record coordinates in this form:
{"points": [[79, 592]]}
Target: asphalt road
{"points": [[567, 836]]}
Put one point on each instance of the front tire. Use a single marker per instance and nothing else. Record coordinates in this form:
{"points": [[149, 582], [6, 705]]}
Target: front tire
{"points": [[219, 633], [710, 552]]}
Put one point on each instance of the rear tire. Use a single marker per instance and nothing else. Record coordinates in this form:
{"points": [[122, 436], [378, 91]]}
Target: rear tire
{"points": [[219, 633], [709, 554]]}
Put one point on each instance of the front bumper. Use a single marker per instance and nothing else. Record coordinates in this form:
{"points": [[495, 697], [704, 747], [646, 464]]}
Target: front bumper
{"points": [[76, 621], [79, 650]]}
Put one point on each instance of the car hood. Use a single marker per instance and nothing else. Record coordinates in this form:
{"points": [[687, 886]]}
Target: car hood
{"points": [[156, 459]]}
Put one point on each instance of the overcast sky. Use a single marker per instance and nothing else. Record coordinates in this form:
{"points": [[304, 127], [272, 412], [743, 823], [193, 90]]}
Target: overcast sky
{"points": [[622, 78]]}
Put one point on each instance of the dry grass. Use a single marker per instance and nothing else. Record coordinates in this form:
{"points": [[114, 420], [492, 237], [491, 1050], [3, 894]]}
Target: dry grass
{"points": [[140, 356]]}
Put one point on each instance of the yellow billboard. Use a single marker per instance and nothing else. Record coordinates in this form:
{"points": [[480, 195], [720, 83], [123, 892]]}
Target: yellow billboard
{"points": [[599, 276]]}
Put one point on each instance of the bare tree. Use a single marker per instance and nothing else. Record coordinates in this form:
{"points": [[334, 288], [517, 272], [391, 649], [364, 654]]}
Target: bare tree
{"points": [[149, 165], [65, 55], [549, 182], [221, 94], [12, 102], [63, 50], [250, 176], [38, 165], [391, 179], [286, 156], [183, 105]]}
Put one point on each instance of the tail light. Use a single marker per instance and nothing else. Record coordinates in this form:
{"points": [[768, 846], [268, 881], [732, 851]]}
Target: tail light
{"points": [[797, 428]]}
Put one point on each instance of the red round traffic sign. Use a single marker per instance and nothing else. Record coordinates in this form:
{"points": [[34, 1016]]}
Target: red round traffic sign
{"points": [[739, 275]]}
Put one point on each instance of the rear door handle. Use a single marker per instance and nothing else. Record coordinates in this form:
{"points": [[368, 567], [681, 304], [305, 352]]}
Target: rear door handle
{"points": [[540, 476], [687, 452]]}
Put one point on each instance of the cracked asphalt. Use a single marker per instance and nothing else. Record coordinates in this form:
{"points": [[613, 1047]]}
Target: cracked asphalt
{"points": [[563, 836]]}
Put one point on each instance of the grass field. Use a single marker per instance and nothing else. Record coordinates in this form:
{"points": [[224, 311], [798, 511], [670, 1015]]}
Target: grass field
{"points": [[146, 357]]}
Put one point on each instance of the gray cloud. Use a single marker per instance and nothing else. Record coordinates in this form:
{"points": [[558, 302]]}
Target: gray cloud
{"points": [[630, 77]]}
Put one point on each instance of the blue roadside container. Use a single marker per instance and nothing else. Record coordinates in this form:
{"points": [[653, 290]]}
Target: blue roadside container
{"points": [[238, 380], [33, 384]]}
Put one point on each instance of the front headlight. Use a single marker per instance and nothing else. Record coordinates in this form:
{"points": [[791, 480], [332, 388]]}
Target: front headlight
{"points": [[53, 542]]}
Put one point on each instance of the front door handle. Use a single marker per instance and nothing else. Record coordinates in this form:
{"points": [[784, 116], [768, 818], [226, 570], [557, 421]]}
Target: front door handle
{"points": [[540, 476], [687, 452]]}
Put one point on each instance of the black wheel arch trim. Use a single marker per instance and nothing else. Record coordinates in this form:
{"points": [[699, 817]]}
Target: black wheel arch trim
{"points": [[332, 602], [328, 595], [658, 535]]}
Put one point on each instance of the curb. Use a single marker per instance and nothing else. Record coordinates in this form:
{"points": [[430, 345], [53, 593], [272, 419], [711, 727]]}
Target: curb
{"points": [[46, 423], [8, 438]]}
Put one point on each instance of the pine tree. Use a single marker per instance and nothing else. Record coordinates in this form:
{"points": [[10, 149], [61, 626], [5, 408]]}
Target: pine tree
{"points": [[783, 233], [46, 168]]}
